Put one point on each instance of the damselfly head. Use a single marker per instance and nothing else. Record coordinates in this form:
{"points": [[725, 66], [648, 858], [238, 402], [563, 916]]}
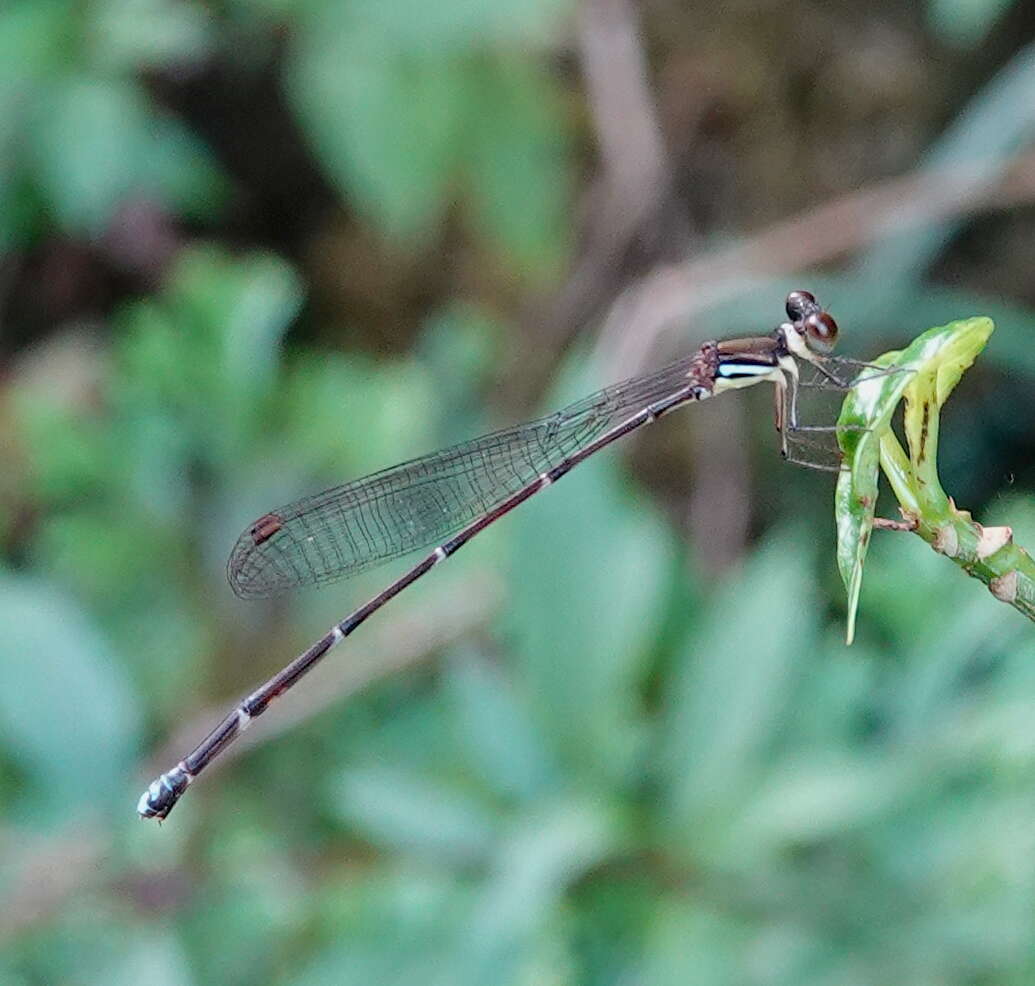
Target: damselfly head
{"points": [[811, 330]]}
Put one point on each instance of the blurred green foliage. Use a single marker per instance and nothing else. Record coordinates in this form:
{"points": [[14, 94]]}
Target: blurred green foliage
{"points": [[398, 101], [78, 134], [623, 767], [397, 108]]}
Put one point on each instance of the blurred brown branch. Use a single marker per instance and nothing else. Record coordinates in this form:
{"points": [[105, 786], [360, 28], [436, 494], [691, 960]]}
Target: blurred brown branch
{"points": [[629, 208], [636, 175], [670, 294]]}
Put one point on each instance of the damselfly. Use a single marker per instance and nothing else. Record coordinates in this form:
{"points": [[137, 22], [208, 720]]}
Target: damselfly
{"points": [[449, 496]]}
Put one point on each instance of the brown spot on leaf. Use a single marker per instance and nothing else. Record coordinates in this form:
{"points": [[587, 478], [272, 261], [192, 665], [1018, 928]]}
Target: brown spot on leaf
{"points": [[924, 428]]}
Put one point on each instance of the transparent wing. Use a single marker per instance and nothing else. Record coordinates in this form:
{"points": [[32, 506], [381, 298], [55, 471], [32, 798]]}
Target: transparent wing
{"points": [[348, 529]]}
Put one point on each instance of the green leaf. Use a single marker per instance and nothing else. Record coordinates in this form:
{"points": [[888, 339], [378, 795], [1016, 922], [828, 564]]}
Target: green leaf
{"points": [[69, 454], [868, 404], [727, 698], [352, 416], [459, 349], [402, 811], [547, 850], [367, 917], [693, 941], [128, 35], [97, 144], [925, 373], [497, 729], [811, 799], [208, 347], [67, 716], [454, 25], [156, 957], [965, 22], [384, 124], [354, 82], [247, 304], [88, 135], [958, 347], [517, 159], [587, 583], [34, 41]]}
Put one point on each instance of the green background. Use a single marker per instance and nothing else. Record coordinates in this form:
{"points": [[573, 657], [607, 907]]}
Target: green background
{"points": [[252, 248]]}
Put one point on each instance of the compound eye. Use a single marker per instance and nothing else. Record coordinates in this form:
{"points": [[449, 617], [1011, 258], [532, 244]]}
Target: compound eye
{"points": [[820, 332], [799, 304]]}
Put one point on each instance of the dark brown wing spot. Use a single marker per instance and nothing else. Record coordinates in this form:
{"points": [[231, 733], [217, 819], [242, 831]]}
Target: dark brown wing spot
{"points": [[265, 527]]}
